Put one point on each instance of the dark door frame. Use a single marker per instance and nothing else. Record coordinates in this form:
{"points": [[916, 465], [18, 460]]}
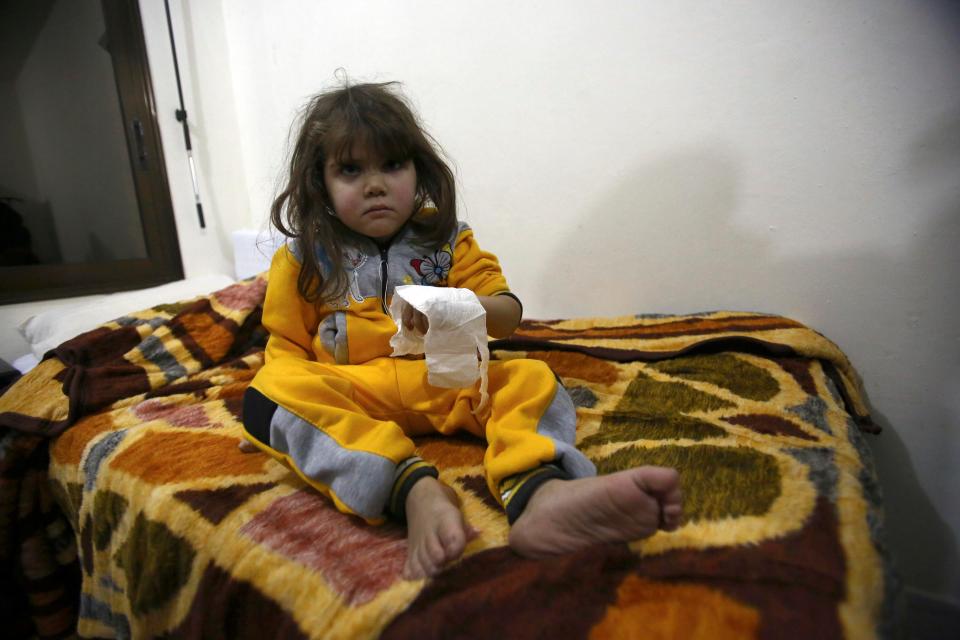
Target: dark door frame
{"points": [[163, 263]]}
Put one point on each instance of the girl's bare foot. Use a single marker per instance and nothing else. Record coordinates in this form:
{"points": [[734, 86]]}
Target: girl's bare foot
{"points": [[567, 515], [436, 531]]}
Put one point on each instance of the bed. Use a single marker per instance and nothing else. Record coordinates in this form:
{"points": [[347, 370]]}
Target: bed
{"points": [[129, 511]]}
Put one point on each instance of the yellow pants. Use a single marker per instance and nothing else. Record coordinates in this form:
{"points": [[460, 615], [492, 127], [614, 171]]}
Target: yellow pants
{"points": [[347, 429]]}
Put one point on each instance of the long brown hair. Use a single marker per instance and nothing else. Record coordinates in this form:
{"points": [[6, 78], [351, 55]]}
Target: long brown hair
{"points": [[378, 117]]}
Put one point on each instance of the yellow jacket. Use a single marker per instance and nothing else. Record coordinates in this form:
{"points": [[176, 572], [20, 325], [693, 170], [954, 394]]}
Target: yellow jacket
{"points": [[358, 328]]}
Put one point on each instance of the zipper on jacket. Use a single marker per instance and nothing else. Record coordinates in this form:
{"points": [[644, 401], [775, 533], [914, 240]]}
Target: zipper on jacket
{"points": [[383, 279]]}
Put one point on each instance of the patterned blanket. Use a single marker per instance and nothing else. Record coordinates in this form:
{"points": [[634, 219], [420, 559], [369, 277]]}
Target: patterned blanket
{"points": [[128, 510]]}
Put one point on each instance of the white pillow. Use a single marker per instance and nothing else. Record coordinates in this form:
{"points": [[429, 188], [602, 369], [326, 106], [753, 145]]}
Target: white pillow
{"points": [[253, 251], [47, 330]]}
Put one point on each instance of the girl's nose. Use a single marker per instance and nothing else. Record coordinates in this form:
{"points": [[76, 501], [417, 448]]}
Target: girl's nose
{"points": [[374, 185]]}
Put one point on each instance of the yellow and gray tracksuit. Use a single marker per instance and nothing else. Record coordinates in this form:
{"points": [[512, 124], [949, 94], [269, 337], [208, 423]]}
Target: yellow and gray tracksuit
{"points": [[330, 403]]}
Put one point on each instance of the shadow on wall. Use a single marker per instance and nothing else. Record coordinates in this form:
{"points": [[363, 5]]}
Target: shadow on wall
{"points": [[881, 307], [934, 159], [923, 547]]}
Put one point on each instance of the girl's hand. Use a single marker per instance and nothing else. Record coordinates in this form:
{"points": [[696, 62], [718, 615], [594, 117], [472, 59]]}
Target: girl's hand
{"points": [[414, 320]]}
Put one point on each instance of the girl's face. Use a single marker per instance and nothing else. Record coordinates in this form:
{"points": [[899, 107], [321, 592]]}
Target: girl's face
{"points": [[373, 196]]}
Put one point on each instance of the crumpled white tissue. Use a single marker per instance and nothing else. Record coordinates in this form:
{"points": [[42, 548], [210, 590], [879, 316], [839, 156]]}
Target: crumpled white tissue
{"points": [[457, 332]]}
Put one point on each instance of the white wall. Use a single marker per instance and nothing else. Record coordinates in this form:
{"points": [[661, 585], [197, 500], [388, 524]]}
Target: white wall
{"points": [[800, 157], [204, 61]]}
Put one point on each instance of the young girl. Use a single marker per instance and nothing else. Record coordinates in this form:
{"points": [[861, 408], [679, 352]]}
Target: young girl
{"points": [[370, 205]]}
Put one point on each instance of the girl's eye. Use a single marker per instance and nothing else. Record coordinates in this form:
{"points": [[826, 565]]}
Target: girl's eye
{"points": [[394, 165], [349, 169]]}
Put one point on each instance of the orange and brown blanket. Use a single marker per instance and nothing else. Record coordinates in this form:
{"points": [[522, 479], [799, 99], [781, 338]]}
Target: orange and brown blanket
{"points": [[128, 511]]}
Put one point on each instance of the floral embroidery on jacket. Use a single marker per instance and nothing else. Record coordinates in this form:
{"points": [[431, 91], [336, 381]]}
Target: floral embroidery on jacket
{"points": [[434, 271]]}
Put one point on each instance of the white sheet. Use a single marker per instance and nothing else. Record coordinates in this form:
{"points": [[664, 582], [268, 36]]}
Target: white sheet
{"points": [[25, 363]]}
